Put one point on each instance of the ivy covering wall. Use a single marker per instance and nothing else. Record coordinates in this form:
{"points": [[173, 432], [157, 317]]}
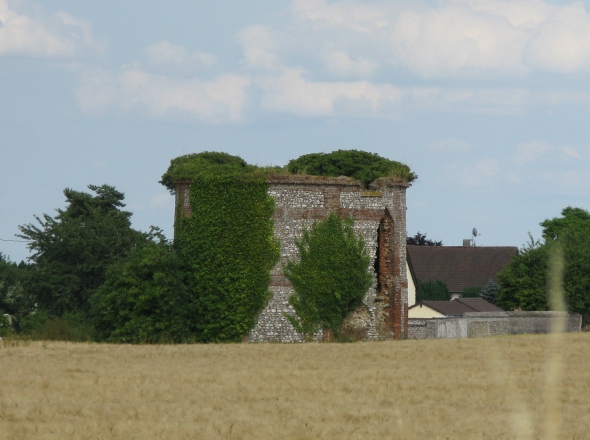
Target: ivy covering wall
{"points": [[227, 244]]}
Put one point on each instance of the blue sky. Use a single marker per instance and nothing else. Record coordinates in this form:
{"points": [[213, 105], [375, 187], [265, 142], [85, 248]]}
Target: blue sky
{"points": [[487, 100]]}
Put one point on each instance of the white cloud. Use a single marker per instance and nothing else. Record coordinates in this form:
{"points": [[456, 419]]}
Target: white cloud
{"points": [[453, 37], [562, 43], [259, 45], [570, 151], [340, 63], [292, 93], [165, 53], [47, 36], [221, 100], [531, 151]]}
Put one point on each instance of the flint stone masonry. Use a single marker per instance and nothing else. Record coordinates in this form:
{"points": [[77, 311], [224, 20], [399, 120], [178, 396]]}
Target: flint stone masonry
{"points": [[302, 200], [482, 324], [379, 215]]}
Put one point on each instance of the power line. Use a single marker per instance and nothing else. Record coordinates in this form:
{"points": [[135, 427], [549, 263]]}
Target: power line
{"points": [[18, 241]]}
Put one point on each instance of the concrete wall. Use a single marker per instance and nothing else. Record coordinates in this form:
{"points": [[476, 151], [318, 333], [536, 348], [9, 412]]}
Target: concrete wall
{"points": [[475, 325]]}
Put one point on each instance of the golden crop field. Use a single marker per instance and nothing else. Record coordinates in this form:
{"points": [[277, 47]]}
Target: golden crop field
{"points": [[526, 387]]}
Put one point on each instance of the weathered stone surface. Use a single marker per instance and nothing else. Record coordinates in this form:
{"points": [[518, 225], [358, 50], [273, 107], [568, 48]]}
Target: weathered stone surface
{"points": [[302, 200], [481, 324]]}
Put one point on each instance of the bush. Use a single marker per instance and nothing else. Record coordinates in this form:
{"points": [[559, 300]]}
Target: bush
{"points": [[331, 277], [6, 327], [71, 327], [360, 165], [471, 292], [432, 291], [145, 299]]}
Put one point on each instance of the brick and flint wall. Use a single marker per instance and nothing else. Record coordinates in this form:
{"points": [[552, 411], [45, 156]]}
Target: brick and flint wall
{"points": [[379, 216]]}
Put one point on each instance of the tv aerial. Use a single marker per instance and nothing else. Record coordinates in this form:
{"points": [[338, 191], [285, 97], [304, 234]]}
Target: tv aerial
{"points": [[475, 234]]}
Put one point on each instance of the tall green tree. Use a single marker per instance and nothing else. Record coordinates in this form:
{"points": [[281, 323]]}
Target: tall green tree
{"points": [[571, 220], [144, 298], [330, 278], [71, 251], [524, 281]]}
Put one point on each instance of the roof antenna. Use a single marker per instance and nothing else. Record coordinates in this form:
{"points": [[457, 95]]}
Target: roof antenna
{"points": [[475, 234]]}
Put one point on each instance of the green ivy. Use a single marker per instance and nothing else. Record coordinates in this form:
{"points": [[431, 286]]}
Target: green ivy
{"points": [[229, 246], [330, 278]]}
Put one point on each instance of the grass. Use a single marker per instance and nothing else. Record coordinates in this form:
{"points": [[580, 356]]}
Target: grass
{"points": [[489, 388]]}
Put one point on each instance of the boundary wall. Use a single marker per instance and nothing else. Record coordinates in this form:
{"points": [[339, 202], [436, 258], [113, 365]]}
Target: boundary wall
{"points": [[482, 324]]}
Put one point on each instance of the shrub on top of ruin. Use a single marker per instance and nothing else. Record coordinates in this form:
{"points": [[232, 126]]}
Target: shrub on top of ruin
{"points": [[330, 278], [360, 165], [193, 166]]}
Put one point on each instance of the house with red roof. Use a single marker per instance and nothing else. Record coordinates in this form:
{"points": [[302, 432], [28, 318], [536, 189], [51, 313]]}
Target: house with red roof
{"points": [[459, 267]]}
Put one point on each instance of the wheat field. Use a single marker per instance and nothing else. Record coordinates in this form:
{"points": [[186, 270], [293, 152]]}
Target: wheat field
{"points": [[529, 387]]}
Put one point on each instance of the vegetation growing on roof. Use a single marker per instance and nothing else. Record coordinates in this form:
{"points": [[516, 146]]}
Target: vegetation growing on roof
{"points": [[207, 163], [360, 165]]}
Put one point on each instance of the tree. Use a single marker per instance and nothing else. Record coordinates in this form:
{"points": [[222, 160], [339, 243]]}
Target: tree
{"points": [[144, 298], [421, 240], [573, 219], [331, 277], [490, 292], [432, 291], [73, 249], [524, 281]]}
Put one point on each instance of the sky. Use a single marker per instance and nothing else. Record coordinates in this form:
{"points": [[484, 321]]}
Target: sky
{"points": [[486, 100]]}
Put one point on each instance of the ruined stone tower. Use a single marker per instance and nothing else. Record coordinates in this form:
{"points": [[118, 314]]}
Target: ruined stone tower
{"points": [[379, 216]]}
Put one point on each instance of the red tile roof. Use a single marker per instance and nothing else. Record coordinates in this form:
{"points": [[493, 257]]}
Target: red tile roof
{"points": [[479, 304], [459, 306], [448, 308], [458, 267]]}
